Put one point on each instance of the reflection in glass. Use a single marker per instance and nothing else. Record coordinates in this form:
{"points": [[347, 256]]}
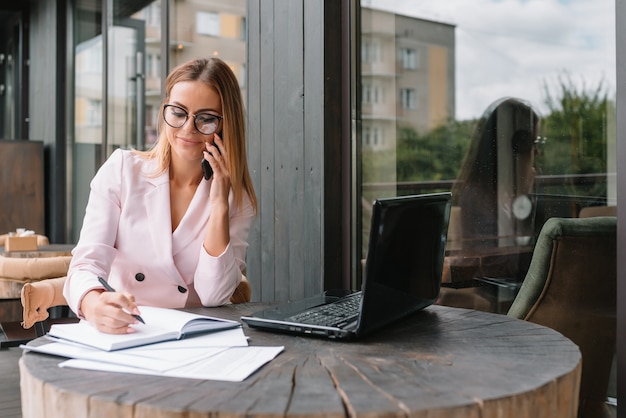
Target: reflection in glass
{"points": [[446, 90], [497, 176], [218, 29]]}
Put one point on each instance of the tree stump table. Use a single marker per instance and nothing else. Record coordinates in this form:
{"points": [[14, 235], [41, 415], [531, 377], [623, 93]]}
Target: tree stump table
{"points": [[440, 362]]}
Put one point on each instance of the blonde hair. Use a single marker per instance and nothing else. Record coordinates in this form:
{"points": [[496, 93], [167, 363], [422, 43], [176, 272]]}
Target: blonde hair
{"points": [[216, 74]]}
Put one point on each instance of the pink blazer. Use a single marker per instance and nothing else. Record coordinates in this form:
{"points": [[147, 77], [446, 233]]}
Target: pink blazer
{"points": [[127, 238]]}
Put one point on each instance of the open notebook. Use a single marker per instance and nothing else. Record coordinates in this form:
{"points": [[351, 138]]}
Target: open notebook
{"points": [[402, 274], [162, 324]]}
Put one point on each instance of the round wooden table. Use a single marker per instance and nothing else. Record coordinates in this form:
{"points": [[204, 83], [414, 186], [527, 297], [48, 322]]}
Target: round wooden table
{"points": [[441, 362]]}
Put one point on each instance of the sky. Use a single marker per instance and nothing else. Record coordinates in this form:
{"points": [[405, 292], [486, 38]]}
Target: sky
{"points": [[514, 47]]}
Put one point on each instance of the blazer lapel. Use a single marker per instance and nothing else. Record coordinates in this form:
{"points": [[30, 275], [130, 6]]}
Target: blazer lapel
{"points": [[157, 203]]}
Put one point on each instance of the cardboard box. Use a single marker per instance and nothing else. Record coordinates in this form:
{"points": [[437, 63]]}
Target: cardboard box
{"points": [[21, 244]]}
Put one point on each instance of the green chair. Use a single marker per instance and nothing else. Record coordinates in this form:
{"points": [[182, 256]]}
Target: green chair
{"points": [[571, 287]]}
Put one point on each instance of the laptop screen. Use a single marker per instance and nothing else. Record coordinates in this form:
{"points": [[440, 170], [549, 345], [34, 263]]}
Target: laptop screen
{"points": [[405, 257]]}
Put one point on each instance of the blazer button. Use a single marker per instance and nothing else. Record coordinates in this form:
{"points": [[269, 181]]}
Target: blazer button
{"points": [[181, 289], [140, 277]]}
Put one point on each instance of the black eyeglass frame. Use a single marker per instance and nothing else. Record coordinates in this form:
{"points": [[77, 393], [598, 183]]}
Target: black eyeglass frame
{"points": [[187, 114]]}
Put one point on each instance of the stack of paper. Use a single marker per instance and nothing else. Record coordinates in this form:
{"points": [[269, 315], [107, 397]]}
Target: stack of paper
{"points": [[217, 355]]}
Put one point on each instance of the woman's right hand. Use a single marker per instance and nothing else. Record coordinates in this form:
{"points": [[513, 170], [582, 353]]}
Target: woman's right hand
{"points": [[110, 312]]}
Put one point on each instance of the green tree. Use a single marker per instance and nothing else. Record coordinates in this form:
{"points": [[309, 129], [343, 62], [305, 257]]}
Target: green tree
{"points": [[435, 155], [575, 129]]}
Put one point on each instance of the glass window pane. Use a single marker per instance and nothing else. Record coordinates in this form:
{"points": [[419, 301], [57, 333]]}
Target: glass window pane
{"points": [[133, 85], [133, 98], [509, 105], [207, 23], [88, 101], [10, 75], [151, 15], [218, 30]]}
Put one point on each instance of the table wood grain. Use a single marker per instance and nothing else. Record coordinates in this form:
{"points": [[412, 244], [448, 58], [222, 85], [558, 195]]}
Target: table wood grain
{"points": [[441, 362]]}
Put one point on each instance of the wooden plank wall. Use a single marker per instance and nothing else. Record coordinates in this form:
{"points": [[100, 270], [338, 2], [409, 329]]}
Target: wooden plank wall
{"points": [[285, 145], [21, 186]]}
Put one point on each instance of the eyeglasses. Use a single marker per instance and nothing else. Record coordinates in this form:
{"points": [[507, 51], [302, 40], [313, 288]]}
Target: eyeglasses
{"points": [[540, 143], [205, 123]]}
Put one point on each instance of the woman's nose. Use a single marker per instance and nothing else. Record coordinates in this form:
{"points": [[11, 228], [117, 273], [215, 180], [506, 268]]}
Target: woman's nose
{"points": [[189, 125]]}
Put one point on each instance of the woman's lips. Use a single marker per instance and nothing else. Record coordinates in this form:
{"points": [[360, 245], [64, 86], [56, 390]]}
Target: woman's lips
{"points": [[189, 141]]}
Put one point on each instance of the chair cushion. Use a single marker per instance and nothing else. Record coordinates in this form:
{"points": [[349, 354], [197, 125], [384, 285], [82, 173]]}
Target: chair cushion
{"points": [[32, 269], [561, 231]]}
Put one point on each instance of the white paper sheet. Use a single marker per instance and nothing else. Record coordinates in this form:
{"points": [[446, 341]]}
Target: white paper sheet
{"points": [[155, 360], [233, 364], [158, 357], [224, 355]]}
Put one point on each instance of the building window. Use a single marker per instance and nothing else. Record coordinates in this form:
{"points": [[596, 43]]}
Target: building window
{"points": [[408, 58], [153, 63], [208, 23], [372, 136], [366, 93], [244, 29], [376, 94], [370, 52], [407, 98], [93, 112], [152, 14], [377, 137], [372, 94]]}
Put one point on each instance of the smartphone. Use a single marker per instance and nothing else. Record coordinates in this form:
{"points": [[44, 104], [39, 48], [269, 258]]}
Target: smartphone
{"points": [[207, 171]]}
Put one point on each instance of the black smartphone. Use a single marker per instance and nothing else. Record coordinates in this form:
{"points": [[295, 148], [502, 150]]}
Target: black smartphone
{"points": [[207, 171]]}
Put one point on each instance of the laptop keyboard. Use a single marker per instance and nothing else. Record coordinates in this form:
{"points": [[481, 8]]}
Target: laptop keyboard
{"points": [[340, 312]]}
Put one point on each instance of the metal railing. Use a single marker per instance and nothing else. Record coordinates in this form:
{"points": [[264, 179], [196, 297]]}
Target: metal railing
{"points": [[542, 183]]}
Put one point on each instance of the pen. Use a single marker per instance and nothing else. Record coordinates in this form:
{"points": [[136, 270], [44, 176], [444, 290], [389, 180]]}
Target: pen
{"points": [[108, 287]]}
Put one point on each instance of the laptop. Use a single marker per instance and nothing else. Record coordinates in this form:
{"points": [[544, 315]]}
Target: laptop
{"points": [[402, 274]]}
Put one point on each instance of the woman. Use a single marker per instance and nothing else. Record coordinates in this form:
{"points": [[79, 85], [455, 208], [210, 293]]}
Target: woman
{"points": [[155, 229]]}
